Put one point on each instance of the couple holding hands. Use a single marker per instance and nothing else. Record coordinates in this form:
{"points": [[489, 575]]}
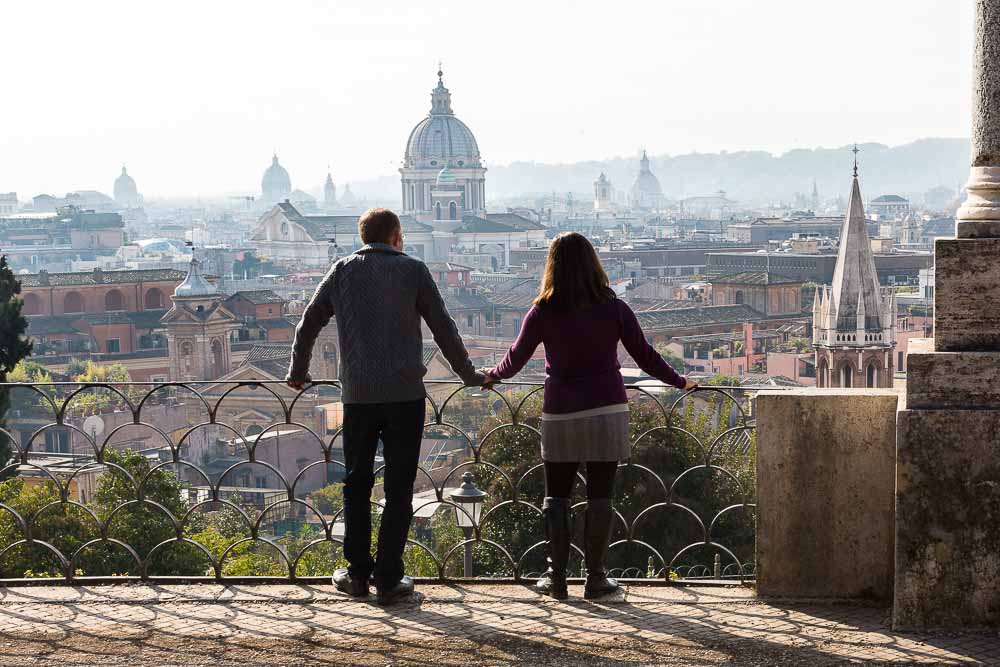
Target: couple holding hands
{"points": [[379, 296]]}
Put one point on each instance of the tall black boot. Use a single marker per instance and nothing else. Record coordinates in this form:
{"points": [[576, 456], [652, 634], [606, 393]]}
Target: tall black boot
{"points": [[555, 512], [596, 535]]}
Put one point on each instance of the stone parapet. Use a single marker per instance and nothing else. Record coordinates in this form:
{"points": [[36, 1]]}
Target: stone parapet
{"points": [[825, 478]]}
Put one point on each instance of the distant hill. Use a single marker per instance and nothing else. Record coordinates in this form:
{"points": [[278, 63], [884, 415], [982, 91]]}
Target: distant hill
{"points": [[751, 177]]}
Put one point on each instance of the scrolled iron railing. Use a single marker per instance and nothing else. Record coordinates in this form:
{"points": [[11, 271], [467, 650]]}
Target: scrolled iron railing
{"points": [[227, 481]]}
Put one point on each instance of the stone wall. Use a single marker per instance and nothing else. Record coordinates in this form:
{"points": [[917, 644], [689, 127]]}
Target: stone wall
{"points": [[825, 485]]}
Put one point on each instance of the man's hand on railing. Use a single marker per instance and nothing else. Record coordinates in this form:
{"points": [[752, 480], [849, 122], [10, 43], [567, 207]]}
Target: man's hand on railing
{"points": [[298, 385], [689, 384]]}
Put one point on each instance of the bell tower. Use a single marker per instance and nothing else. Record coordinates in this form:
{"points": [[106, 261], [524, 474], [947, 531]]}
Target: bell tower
{"points": [[199, 329], [854, 320]]}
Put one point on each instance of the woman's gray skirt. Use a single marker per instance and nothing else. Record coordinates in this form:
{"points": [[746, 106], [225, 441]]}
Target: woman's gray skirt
{"points": [[596, 438]]}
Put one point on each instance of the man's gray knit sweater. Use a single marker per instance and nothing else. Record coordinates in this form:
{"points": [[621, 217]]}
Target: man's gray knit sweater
{"points": [[378, 296]]}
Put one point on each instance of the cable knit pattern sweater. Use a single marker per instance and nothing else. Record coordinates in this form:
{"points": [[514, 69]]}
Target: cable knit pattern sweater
{"points": [[378, 296]]}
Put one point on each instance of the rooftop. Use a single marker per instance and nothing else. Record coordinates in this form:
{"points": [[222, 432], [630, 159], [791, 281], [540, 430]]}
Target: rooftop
{"points": [[756, 278], [98, 277], [260, 296]]}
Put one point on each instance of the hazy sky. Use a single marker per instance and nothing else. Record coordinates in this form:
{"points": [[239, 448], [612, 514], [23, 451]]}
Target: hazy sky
{"points": [[194, 95]]}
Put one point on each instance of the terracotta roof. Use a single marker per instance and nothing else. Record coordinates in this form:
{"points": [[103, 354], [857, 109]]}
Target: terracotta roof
{"points": [[259, 296], [97, 277], [460, 302], [755, 278], [639, 304], [265, 352], [47, 325], [496, 223], [323, 227], [700, 316], [277, 323]]}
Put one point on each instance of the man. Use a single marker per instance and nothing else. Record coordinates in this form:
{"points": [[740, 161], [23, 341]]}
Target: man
{"points": [[379, 295]]}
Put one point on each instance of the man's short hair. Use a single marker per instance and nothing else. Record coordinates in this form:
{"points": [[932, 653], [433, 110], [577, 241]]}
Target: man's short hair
{"points": [[378, 225]]}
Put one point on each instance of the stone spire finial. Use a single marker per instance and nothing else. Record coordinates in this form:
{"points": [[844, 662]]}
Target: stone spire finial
{"points": [[855, 151]]}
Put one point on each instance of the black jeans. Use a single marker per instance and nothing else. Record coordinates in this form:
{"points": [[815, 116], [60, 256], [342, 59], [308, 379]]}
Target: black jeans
{"points": [[560, 476], [400, 426]]}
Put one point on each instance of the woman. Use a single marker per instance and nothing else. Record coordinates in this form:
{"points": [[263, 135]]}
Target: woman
{"points": [[585, 414]]}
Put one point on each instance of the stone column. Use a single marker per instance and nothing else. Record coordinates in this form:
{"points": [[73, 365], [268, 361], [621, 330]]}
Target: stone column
{"points": [[947, 571]]}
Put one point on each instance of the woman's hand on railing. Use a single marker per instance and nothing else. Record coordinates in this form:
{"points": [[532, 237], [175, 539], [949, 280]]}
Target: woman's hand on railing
{"points": [[491, 380]]}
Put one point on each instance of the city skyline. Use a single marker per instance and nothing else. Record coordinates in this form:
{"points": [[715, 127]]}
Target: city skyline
{"points": [[204, 121]]}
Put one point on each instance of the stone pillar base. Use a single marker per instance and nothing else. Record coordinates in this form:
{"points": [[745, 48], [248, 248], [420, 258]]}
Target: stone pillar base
{"points": [[967, 278], [947, 518]]}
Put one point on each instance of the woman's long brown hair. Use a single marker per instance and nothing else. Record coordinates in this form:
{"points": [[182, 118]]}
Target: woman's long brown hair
{"points": [[574, 278]]}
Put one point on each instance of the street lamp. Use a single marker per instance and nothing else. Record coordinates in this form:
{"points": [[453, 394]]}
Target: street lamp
{"points": [[469, 498]]}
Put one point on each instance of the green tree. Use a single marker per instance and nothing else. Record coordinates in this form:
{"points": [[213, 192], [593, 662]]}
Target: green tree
{"points": [[328, 499], [64, 527], [668, 453], [97, 400], [14, 344], [141, 525]]}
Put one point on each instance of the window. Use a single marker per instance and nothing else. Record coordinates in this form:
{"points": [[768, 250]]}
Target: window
{"points": [[437, 211], [153, 299], [113, 300], [872, 376], [32, 305], [452, 211], [899, 361], [73, 303], [469, 320], [113, 345]]}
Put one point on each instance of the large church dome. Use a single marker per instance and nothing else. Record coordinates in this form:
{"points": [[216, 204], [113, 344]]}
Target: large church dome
{"points": [[646, 190], [126, 192], [276, 184], [441, 138]]}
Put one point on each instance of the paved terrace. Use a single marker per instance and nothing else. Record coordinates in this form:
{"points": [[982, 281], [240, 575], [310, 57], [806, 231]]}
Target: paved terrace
{"points": [[460, 624]]}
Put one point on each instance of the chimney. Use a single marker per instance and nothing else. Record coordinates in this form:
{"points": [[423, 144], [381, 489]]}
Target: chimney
{"points": [[43, 277], [98, 274]]}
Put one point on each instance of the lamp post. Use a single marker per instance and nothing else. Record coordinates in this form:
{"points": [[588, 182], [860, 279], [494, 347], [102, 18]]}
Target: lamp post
{"points": [[469, 498]]}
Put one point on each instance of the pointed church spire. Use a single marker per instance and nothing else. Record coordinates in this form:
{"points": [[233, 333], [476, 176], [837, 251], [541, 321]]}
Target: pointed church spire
{"points": [[855, 277]]}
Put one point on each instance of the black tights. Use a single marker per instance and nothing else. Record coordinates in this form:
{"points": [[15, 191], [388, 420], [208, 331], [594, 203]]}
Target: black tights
{"points": [[560, 476]]}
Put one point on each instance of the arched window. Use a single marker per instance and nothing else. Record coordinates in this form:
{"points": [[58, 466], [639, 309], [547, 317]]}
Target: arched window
{"points": [[32, 305], [437, 210], [846, 376], [218, 368], [113, 300], [153, 299], [871, 376], [821, 373], [452, 211], [739, 296], [73, 303], [187, 352], [254, 429]]}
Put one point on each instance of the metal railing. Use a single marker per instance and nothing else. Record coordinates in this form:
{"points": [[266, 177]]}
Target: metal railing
{"points": [[227, 481]]}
